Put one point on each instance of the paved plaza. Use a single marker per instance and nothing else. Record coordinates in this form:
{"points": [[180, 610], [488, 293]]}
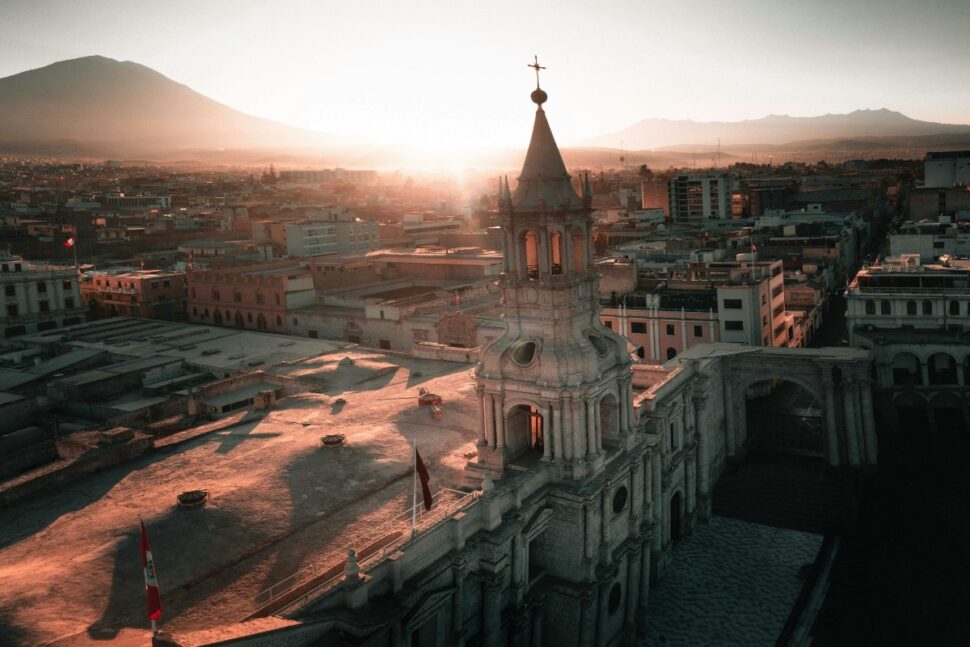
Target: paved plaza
{"points": [[730, 583]]}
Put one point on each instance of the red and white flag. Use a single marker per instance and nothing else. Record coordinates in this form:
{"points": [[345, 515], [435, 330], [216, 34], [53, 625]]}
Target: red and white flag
{"points": [[69, 242], [151, 582], [424, 477]]}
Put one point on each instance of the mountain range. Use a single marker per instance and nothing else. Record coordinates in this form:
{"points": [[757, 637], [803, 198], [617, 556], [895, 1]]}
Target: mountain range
{"points": [[773, 130], [97, 107]]}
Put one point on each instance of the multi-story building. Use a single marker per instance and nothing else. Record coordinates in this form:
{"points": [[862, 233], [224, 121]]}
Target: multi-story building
{"points": [[38, 297], [151, 294], [946, 169], [931, 240], [914, 317], [663, 324], [327, 176], [122, 201], [695, 199], [333, 233], [256, 296]]}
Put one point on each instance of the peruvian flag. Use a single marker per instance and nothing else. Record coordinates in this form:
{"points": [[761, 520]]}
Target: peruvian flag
{"points": [[69, 242], [424, 477], [151, 582]]}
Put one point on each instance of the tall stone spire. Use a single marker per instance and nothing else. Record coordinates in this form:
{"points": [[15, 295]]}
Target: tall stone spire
{"points": [[544, 184]]}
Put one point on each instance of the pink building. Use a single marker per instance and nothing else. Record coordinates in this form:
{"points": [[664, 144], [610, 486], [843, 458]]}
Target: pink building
{"points": [[255, 297], [151, 294], [664, 324]]}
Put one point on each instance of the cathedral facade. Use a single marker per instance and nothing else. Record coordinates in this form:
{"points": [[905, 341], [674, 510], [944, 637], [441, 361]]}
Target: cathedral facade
{"points": [[589, 468]]}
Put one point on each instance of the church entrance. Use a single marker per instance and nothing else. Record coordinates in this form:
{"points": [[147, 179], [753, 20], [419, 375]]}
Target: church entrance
{"points": [[676, 517], [784, 419]]}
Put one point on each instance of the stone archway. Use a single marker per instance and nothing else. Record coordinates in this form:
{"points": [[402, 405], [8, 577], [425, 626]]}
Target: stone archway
{"points": [[525, 430]]}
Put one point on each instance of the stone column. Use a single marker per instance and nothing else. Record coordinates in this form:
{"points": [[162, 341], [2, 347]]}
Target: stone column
{"points": [[690, 484], [500, 421], [925, 372], [565, 421], [703, 462], [578, 428], [730, 417], [458, 605], [632, 588], [536, 637], [603, 615], [858, 422], [656, 547], [592, 448], [831, 429], [868, 424], [555, 426], [490, 421], [644, 600], [492, 609], [851, 434], [482, 421]]}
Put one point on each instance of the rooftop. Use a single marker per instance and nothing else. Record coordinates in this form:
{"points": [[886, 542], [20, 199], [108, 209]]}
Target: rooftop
{"points": [[279, 501]]}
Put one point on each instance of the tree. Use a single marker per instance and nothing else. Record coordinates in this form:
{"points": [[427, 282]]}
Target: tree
{"points": [[645, 172]]}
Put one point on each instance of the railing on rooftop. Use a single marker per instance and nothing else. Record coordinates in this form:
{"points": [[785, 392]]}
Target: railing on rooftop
{"points": [[371, 547]]}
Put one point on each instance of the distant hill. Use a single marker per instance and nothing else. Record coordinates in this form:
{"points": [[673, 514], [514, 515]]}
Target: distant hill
{"points": [[773, 130], [105, 106]]}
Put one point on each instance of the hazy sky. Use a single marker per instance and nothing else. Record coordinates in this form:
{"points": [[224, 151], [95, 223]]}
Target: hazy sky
{"points": [[454, 73]]}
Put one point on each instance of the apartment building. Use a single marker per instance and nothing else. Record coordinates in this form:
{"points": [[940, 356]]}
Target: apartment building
{"points": [[150, 294], [38, 297], [695, 199], [256, 297]]}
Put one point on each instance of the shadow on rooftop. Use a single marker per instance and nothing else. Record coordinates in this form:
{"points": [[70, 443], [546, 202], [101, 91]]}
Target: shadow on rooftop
{"points": [[178, 538], [11, 634]]}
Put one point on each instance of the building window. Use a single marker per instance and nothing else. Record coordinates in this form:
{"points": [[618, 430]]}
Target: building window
{"points": [[670, 329], [733, 325], [384, 343], [279, 320], [66, 284], [911, 307], [215, 294], [69, 302], [671, 353], [609, 324], [11, 309], [277, 299], [260, 298], [886, 308], [638, 327], [249, 317], [954, 307], [764, 300], [41, 288], [698, 331], [927, 307], [166, 283], [11, 291], [870, 307], [764, 320], [735, 304], [44, 306], [295, 322], [237, 296]]}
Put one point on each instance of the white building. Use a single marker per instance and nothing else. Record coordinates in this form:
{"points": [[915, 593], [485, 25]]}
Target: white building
{"points": [[38, 297], [330, 233], [946, 169], [695, 199]]}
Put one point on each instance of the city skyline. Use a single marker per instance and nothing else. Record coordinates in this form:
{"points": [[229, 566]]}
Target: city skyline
{"points": [[449, 70]]}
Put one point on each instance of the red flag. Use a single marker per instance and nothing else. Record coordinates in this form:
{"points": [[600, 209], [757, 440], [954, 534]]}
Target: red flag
{"points": [[424, 478], [151, 583], [69, 242]]}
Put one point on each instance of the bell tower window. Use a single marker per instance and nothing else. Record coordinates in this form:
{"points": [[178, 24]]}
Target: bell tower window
{"points": [[555, 249], [531, 244], [579, 251]]}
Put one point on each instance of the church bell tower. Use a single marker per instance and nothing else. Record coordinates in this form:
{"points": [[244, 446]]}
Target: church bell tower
{"points": [[556, 387]]}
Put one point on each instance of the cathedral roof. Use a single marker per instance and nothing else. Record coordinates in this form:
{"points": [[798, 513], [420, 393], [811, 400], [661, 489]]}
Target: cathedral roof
{"points": [[544, 182]]}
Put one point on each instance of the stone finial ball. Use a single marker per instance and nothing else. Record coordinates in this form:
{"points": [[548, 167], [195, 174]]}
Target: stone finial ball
{"points": [[539, 96]]}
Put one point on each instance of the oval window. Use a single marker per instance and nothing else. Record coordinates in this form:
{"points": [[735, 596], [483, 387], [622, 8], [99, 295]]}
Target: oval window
{"points": [[602, 348], [615, 598], [619, 499], [524, 353]]}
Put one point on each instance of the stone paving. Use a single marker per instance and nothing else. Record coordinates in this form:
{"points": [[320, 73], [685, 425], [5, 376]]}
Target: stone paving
{"points": [[730, 583]]}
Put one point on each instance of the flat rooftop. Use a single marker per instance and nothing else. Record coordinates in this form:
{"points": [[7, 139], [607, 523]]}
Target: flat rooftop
{"points": [[279, 502]]}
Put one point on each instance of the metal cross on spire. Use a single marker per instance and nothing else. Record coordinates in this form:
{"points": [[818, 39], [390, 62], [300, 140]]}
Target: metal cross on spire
{"points": [[536, 67]]}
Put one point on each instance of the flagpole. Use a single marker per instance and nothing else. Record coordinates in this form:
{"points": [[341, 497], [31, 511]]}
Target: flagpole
{"points": [[414, 487]]}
